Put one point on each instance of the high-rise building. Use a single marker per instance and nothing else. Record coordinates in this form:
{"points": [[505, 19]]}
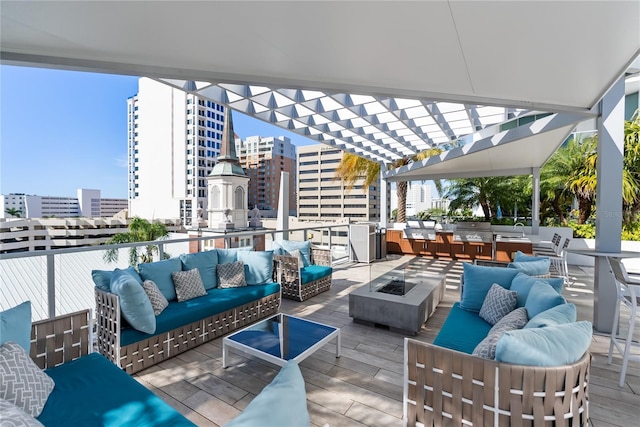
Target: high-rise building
{"points": [[173, 140], [88, 204], [263, 158], [322, 197]]}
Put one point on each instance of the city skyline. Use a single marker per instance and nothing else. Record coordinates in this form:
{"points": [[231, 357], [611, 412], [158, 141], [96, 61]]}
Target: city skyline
{"points": [[64, 130]]}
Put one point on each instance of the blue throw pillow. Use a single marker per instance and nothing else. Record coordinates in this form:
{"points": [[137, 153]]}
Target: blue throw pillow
{"points": [[283, 247], [551, 346], [206, 263], [226, 256], [532, 268], [478, 281], [160, 273], [102, 278], [135, 305], [522, 284], [522, 257], [283, 403], [15, 325], [258, 266], [558, 315], [541, 298]]}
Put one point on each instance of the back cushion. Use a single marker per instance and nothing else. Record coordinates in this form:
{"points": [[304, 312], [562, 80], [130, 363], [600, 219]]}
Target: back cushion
{"points": [[522, 284], [532, 268], [160, 273], [478, 281], [102, 278], [542, 297], [285, 247], [229, 255], [258, 266], [206, 263]]}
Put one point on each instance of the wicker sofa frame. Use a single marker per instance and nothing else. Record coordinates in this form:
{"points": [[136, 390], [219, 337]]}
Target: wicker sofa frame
{"points": [[60, 339], [289, 275], [148, 352], [447, 387]]}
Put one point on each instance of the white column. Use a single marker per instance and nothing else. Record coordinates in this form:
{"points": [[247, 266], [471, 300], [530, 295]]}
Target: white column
{"points": [[535, 202], [608, 201], [282, 221], [384, 212]]}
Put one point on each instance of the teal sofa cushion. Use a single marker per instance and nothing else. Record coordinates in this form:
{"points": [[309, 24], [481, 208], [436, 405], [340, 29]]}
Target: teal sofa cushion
{"points": [[314, 272], [258, 266], [522, 284], [551, 346], [558, 315], [282, 403], [522, 257], [532, 268], [283, 247], [478, 280], [217, 300], [135, 305], [102, 278], [206, 263], [92, 391], [462, 330], [225, 256], [160, 273], [541, 298], [15, 325]]}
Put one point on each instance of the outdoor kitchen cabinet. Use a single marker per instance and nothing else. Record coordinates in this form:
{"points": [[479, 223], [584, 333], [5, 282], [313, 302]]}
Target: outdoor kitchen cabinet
{"points": [[425, 247], [443, 244], [397, 244]]}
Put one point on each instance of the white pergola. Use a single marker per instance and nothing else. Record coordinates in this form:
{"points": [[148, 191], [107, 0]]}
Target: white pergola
{"points": [[381, 79]]}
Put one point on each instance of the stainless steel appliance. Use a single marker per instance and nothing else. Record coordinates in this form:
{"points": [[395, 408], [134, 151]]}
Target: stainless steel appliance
{"points": [[473, 232]]}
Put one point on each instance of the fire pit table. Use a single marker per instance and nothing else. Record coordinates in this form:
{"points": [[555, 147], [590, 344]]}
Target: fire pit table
{"points": [[401, 303]]}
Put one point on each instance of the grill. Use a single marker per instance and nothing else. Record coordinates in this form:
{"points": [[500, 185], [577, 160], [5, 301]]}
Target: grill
{"points": [[473, 232], [420, 230]]}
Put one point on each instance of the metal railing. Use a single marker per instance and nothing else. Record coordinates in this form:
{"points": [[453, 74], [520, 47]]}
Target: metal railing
{"points": [[58, 281]]}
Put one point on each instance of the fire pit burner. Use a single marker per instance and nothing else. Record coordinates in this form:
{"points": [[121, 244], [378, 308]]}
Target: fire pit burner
{"points": [[397, 287]]}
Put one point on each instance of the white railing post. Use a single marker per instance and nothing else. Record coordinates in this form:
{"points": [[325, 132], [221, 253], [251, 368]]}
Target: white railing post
{"points": [[51, 285]]}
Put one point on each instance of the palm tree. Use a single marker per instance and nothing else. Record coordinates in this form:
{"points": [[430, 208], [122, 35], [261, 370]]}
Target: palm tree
{"points": [[487, 192], [14, 212], [140, 230], [353, 168], [632, 166]]}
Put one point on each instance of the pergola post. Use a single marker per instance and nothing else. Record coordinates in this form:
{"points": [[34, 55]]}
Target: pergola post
{"points": [[535, 202], [608, 201], [384, 212]]}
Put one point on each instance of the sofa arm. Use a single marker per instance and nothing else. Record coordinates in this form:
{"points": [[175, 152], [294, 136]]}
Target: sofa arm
{"points": [[443, 386], [108, 324], [288, 268], [60, 339], [321, 256]]}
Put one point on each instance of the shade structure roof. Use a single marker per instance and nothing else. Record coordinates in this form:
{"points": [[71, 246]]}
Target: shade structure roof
{"points": [[405, 75]]}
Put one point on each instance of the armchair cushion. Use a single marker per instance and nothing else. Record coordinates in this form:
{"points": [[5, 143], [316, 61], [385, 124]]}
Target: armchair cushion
{"points": [[160, 273], [314, 272], [135, 305], [258, 266], [206, 263], [284, 247], [478, 280], [15, 325], [462, 330]]}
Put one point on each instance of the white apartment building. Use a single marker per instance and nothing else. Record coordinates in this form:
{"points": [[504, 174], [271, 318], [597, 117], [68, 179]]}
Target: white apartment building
{"points": [[418, 198], [88, 203], [263, 158], [173, 140], [321, 197]]}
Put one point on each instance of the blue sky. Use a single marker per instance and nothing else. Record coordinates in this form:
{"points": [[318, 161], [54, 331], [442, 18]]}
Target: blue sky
{"points": [[64, 130]]}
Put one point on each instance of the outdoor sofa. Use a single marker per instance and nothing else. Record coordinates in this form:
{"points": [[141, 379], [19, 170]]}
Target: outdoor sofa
{"points": [[303, 270], [134, 339], [530, 367]]}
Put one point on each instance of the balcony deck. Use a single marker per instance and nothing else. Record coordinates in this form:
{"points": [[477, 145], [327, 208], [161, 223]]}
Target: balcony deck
{"points": [[363, 387]]}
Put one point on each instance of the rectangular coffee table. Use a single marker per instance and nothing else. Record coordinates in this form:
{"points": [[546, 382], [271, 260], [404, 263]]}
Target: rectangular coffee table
{"points": [[280, 338]]}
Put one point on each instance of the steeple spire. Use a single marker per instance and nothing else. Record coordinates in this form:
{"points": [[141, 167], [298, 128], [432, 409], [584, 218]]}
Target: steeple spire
{"points": [[228, 163]]}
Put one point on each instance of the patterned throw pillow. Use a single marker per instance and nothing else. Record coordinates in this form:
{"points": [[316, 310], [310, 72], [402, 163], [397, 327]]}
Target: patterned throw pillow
{"points": [[14, 416], [231, 275], [188, 284], [498, 303], [512, 321], [23, 383], [158, 301]]}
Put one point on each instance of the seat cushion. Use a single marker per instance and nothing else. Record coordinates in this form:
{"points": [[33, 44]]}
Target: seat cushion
{"points": [[462, 330], [160, 273], [206, 263], [258, 266], [551, 346], [314, 272], [92, 391], [15, 325], [282, 403], [216, 301], [478, 281]]}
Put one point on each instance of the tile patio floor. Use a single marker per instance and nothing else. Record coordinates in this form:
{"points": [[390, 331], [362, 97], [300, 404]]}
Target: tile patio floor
{"points": [[363, 387]]}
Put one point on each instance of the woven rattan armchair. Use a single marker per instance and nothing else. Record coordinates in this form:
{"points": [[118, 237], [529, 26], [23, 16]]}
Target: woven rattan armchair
{"points": [[447, 387], [289, 272]]}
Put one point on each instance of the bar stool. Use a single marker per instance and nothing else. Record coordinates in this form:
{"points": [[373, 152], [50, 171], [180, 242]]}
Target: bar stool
{"points": [[629, 295], [559, 261], [543, 250]]}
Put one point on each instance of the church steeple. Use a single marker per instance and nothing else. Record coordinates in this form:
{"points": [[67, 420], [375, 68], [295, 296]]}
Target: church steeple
{"points": [[228, 163]]}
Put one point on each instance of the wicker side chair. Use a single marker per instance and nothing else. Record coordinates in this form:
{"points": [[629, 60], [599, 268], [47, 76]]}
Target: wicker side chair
{"points": [[446, 387], [292, 277]]}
